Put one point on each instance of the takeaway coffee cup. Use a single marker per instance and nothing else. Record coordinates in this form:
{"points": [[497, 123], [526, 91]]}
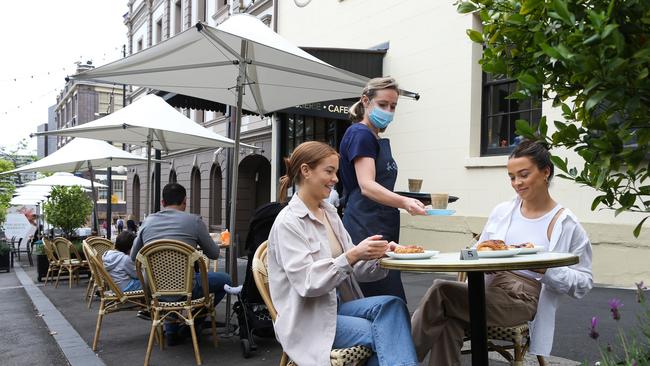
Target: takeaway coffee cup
{"points": [[439, 201], [415, 185]]}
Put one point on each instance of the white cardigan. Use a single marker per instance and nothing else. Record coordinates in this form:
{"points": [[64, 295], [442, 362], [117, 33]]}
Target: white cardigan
{"points": [[303, 278], [568, 236]]}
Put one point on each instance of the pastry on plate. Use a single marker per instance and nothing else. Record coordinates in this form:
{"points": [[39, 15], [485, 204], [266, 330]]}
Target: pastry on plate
{"points": [[409, 249], [492, 245]]}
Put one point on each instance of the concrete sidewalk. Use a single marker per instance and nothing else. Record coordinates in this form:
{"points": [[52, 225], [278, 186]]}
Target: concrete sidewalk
{"points": [[123, 336]]}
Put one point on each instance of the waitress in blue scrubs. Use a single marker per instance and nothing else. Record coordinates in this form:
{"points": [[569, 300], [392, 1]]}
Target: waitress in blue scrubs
{"points": [[368, 173]]}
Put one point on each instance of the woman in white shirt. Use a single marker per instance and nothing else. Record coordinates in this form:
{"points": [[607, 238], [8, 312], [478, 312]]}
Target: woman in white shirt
{"points": [[313, 271], [513, 297]]}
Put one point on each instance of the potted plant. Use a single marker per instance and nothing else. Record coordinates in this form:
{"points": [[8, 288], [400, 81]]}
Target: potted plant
{"points": [[42, 263], [5, 257], [67, 208]]}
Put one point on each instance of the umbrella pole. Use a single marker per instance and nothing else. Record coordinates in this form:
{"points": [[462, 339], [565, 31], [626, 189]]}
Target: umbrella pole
{"points": [[148, 198], [92, 187], [235, 176]]}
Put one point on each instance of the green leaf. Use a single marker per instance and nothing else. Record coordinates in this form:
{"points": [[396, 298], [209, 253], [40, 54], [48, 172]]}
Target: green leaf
{"points": [[596, 202], [637, 229], [550, 51], [529, 5], [523, 128], [644, 54], [466, 7], [609, 28], [475, 36], [596, 98], [591, 40], [559, 162], [527, 79], [562, 10]]}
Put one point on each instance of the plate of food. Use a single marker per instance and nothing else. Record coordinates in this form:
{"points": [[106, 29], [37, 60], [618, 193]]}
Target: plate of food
{"points": [[411, 252], [495, 249], [438, 212], [526, 248]]}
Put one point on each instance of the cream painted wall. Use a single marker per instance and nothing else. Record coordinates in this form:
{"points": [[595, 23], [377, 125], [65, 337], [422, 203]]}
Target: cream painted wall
{"points": [[438, 137]]}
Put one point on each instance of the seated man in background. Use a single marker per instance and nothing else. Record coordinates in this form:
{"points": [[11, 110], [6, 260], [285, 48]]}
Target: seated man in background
{"points": [[172, 222], [119, 265]]}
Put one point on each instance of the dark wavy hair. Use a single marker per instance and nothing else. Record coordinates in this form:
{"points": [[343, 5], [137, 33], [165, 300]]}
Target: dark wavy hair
{"points": [[537, 152]]}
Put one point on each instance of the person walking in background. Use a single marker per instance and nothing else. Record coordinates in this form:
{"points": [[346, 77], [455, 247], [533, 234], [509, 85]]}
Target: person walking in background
{"points": [[314, 268], [120, 225], [512, 297], [369, 172]]}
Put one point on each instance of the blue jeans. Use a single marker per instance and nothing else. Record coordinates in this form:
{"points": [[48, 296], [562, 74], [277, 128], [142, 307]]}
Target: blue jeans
{"points": [[381, 323], [216, 280], [133, 285]]}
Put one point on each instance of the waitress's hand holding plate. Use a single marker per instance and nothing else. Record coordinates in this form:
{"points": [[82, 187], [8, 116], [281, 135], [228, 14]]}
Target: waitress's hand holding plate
{"points": [[413, 206]]}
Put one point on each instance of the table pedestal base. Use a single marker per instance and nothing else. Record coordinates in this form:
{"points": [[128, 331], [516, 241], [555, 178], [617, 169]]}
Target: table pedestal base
{"points": [[478, 323]]}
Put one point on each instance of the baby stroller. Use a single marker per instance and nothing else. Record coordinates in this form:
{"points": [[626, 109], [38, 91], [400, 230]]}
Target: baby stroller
{"points": [[252, 315]]}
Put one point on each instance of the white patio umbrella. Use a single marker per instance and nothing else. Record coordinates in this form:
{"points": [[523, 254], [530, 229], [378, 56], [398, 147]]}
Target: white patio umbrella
{"points": [[39, 190], [243, 63], [79, 154], [27, 200], [63, 179], [148, 122]]}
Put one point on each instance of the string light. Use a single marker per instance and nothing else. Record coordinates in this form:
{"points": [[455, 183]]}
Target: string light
{"points": [[48, 75]]}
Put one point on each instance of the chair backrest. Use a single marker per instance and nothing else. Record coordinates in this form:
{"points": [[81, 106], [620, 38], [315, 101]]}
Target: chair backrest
{"points": [[51, 253], [261, 276], [100, 275], [101, 245], [62, 247], [169, 269]]}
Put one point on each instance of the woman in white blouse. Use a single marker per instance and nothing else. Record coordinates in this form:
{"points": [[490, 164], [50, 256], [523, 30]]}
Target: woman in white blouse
{"points": [[514, 297], [313, 271]]}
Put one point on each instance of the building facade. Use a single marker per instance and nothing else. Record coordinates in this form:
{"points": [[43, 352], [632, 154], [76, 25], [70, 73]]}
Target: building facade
{"points": [[205, 173], [81, 102], [458, 135]]}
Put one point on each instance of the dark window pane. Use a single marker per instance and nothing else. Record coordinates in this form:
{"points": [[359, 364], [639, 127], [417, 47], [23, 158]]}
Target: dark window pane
{"points": [[536, 115], [299, 130], [498, 99], [320, 126], [497, 131], [309, 128]]}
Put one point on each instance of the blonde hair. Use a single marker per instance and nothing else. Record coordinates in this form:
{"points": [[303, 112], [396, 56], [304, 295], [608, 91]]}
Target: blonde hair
{"points": [[370, 90], [310, 153]]}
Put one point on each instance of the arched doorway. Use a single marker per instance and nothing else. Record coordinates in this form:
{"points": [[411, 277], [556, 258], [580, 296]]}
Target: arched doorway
{"points": [[253, 190], [216, 185], [172, 176], [135, 210], [195, 191]]}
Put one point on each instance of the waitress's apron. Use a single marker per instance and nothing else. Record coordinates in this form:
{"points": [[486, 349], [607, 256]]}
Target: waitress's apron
{"points": [[364, 217]]}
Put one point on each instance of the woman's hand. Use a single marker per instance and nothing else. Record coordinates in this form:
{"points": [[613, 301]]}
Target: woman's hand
{"points": [[413, 206], [370, 248]]}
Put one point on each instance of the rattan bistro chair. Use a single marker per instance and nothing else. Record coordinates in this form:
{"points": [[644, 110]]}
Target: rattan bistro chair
{"points": [[53, 260], [112, 298], [169, 270], [517, 338], [69, 260], [101, 246], [338, 357]]}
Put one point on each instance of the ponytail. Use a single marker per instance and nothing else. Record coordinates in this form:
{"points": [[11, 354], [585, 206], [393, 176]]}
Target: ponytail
{"points": [[285, 182]]}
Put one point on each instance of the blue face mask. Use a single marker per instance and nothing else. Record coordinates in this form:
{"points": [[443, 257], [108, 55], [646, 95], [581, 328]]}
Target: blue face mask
{"points": [[380, 118]]}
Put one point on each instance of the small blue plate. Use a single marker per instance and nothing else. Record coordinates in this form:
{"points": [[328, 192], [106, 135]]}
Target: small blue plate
{"points": [[437, 212]]}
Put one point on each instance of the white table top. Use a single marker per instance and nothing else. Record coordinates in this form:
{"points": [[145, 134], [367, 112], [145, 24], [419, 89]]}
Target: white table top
{"points": [[451, 262]]}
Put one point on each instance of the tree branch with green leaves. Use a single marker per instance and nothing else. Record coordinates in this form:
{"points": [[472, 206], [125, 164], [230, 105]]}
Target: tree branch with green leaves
{"points": [[591, 58]]}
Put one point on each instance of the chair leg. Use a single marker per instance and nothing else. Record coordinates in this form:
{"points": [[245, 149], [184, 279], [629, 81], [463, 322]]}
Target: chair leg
{"points": [[100, 316], [47, 275], [92, 295], [195, 342], [213, 317], [57, 276], [90, 284], [154, 324]]}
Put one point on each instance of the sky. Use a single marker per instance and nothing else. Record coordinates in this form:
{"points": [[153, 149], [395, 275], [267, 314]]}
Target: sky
{"points": [[41, 41]]}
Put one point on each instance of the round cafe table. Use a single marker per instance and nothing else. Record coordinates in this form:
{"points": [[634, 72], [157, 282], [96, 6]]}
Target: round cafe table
{"points": [[451, 262]]}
